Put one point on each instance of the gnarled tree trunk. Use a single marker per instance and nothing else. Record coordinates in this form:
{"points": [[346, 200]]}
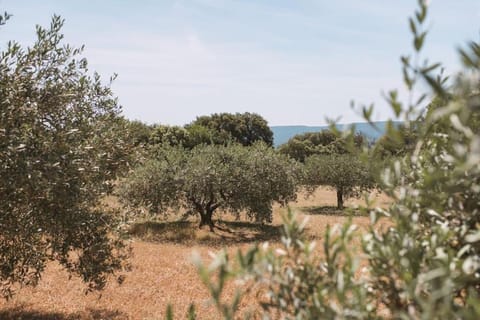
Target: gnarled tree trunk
{"points": [[205, 210], [206, 219], [340, 198]]}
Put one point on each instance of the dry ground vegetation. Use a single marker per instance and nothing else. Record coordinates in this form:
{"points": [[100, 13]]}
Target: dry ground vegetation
{"points": [[162, 268]]}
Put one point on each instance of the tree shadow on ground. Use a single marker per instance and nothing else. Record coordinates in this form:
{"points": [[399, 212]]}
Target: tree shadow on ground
{"points": [[23, 312], [187, 232], [164, 231], [242, 231], [332, 211]]}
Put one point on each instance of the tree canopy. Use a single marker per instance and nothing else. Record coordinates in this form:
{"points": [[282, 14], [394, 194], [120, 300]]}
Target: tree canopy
{"points": [[397, 142], [244, 128], [306, 144], [346, 173], [137, 132], [209, 177], [59, 152], [170, 135]]}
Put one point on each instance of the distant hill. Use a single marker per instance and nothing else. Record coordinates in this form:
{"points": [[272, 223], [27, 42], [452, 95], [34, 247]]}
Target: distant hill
{"points": [[282, 134]]}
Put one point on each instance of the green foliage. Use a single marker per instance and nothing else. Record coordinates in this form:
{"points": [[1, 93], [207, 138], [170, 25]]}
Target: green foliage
{"points": [[426, 264], [3, 18], [307, 144], [191, 315], [134, 137], [331, 159], [198, 135], [217, 129], [211, 177], [244, 128], [169, 135], [346, 173], [137, 132], [397, 142], [187, 137], [292, 281], [59, 150]]}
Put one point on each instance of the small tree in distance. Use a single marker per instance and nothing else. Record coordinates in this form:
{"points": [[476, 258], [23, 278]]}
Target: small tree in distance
{"points": [[301, 146], [396, 142], [346, 173], [230, 178]]}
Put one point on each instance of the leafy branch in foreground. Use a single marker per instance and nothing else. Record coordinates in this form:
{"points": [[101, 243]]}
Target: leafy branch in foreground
{"points": [[4, 17], [291, 280]]}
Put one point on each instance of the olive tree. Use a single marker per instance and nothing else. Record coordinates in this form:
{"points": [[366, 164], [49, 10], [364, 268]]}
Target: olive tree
{"points": [[301, 146], [345, 173], [331, 159], [137, 132], [208, 178], [59, 152], [244, 128]]}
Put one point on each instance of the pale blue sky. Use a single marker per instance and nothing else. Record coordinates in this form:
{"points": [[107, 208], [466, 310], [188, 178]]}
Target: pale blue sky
{"points": [[293, 62]]}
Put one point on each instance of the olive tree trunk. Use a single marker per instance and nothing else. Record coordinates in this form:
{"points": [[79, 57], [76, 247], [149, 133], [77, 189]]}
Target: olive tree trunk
{"points": [[206, 219], [340, 198]]}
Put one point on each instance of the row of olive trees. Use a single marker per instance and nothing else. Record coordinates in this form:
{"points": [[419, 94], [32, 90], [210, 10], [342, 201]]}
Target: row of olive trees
{"points": [[426, 264], [235, 178], [202, 178]]}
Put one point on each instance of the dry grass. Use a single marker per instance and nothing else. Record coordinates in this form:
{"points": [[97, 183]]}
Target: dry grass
{"points": [[162, 269]]}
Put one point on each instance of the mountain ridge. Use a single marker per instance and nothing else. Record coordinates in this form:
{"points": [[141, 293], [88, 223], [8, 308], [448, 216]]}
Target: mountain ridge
{"points": [[281, 134]]}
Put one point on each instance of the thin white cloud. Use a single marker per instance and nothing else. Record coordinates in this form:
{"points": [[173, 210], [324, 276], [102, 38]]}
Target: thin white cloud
{"points": [[294, 64], [181, 77]]}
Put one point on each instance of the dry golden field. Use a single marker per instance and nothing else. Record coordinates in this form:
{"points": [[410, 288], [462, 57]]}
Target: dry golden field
{"points": [[162, 271]]}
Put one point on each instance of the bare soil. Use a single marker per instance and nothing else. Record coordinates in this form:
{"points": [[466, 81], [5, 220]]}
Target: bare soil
{"points": [[162, 269]]}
